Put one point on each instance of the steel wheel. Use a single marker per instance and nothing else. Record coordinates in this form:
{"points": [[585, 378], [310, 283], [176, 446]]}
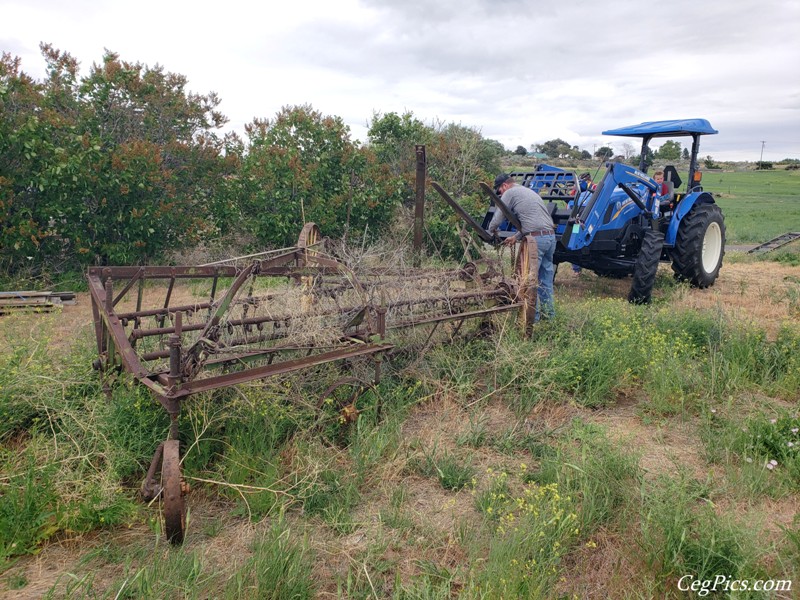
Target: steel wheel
{"points": [[172, 496], [309, 235]]}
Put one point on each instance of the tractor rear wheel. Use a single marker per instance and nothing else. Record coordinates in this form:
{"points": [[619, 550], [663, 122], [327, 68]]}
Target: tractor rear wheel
{"points": [[700, 246], [644, 273]]}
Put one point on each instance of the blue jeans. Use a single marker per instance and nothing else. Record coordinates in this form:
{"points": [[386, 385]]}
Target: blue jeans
{"points": [[546, 245]]}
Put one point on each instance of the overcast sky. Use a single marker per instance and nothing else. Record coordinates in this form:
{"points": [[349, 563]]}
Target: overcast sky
{"points": [[520, 71]]}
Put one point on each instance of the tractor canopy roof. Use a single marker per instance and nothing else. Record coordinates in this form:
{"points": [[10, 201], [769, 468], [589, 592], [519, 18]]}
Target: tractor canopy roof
{"points": [[672, 128]]}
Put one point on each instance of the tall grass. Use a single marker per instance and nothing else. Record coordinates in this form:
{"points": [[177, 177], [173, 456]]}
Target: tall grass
{"points": [[279, 569], [681, 534], [62, 468], [583, 485], [602, 348]]}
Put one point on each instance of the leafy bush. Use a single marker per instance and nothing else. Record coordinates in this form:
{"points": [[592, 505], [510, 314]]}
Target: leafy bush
{"points": [[115, 167], [303, 166]]}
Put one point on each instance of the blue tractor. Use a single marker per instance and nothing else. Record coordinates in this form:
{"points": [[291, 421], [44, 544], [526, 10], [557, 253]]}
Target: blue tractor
{"points": [[628, 223]]}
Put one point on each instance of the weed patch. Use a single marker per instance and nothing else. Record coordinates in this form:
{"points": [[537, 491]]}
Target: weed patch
{"points": [[29, 509], [681, 534], [280, 568]]}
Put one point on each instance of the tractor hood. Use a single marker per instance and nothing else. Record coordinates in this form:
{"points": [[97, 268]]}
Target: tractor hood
{"points": [[665, 128]]}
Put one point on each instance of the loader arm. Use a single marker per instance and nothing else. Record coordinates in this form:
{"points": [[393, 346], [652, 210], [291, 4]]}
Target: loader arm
{"points": [[635, 186]]}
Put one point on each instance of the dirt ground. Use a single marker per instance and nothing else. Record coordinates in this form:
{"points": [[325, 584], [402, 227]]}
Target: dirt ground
{"points": [[765, 293]]}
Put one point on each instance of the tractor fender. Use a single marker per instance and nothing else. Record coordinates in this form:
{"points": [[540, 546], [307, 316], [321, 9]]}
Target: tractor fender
{"points": [[684, 206]]}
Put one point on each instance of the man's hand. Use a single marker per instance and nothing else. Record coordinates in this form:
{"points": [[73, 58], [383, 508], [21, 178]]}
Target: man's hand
{"points": [[510, 241]]}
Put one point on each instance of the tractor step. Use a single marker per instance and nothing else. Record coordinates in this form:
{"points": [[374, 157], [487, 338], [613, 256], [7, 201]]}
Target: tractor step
{"points": [[781, 240]]}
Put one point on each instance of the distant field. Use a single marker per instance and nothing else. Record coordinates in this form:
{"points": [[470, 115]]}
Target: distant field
{"points": [[758, 205]]}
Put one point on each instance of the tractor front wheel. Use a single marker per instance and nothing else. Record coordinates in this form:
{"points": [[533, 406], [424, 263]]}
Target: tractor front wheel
{"points": [[700, 246], [644, 273]]}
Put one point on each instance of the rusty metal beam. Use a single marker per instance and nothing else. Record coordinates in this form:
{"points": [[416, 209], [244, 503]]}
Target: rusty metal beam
{"points": [[289, 366], [454, 317], [114, 328]]}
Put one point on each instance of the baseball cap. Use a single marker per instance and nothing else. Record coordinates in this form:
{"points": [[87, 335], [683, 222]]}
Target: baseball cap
{"points": [[500, 180]]}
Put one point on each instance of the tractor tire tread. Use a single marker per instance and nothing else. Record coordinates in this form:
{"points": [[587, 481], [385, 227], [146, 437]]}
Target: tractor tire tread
{"points": [[644, 273], [687, 256]]}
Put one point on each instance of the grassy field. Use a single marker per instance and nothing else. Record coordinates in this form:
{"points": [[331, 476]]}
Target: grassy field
{"points": [[617, 451], [758, 205]]}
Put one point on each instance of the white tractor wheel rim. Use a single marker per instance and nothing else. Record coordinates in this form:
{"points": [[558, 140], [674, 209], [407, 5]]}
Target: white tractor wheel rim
{"points": [[712, 247]]}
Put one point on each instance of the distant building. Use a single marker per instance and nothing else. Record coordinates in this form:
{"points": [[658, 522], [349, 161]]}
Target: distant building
{"points": [[537, 155]]}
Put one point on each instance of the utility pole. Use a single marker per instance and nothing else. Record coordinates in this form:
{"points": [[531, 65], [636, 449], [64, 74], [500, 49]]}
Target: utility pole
{"points": [[761, 160]]}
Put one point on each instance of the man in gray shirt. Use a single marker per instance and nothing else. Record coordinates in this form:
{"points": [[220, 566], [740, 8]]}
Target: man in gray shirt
{"points": [[536, 221]]}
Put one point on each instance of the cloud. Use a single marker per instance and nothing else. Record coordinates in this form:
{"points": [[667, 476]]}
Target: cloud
{"points": [[520, 71]]}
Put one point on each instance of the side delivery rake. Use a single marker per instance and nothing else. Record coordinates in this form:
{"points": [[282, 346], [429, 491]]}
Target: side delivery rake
{"points": [[185, 330]]}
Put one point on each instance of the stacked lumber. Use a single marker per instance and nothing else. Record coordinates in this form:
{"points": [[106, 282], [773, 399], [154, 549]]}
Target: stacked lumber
{"points": [[34, 301]]}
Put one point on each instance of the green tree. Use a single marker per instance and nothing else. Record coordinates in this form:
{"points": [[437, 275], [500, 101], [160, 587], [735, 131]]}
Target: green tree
{"points": [[117, 167], [648, 159], [458, 158], [491, 155], [303, 167], [685, 154], [521, 151], [669, 150], [604, 152], [393, 137], [556, 148]]}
